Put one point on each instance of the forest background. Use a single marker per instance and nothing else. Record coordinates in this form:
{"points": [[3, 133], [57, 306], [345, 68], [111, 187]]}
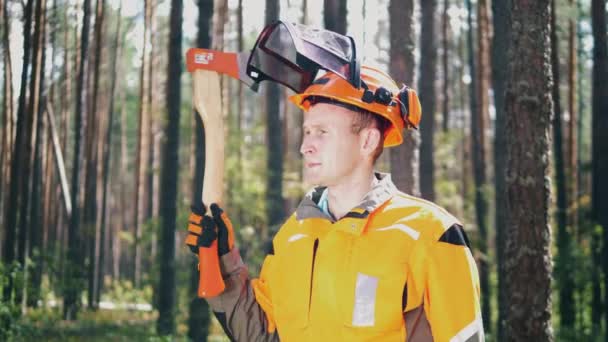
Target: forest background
{"points": [[101, 155]]}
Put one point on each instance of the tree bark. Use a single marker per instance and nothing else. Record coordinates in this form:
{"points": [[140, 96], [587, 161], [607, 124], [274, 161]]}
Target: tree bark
{"points": [[572, 134], [445, 31], [141, 155], [18, 159], [426, 87], [274, 133], [149, 177], [479, 118], [50, 199], [563, 262], [107, 150], [124, 161], [334, 15], [599, 197], [166, 308], [404, 158], [501, 19], [7, 118], [74, 277], [199, 318], [90, 215], [35, 211], [528, 118], [23, 247]]}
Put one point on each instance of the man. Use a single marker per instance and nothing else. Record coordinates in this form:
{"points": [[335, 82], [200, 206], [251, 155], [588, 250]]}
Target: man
{"points": [[358, 260]]}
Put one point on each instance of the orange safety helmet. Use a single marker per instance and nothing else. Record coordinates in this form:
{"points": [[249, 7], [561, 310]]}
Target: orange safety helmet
{"points": [[378, 94]]}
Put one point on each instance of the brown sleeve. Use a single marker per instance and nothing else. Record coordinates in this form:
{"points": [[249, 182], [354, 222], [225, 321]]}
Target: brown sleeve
{"points": [[236, 308]]}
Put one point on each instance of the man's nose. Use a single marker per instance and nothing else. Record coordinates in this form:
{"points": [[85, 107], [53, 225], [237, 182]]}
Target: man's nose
{"points": [[306, 147]]}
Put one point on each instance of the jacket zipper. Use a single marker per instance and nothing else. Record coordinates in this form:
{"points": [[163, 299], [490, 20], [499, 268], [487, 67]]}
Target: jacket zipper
{"points": [[312, 274]]}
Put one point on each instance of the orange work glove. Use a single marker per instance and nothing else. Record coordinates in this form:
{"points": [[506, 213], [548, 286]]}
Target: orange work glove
{"points": [[203, 229]]}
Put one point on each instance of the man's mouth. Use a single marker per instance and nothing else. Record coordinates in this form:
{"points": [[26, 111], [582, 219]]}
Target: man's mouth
{"points": [[311, 164]]}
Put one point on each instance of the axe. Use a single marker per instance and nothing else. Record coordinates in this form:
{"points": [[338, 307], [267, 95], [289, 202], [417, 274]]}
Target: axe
{"points": [[204, 66]]}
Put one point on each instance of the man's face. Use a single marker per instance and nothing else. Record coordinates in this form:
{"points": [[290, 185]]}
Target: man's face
{"points": [[330, 148]]}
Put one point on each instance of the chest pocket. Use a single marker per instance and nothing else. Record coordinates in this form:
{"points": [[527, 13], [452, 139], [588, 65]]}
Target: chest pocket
{"points": [[374, 294], [291, 282]]}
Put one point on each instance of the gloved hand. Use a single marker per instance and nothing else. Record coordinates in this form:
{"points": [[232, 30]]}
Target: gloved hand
{"points": [[204, 229], [225, 236]]}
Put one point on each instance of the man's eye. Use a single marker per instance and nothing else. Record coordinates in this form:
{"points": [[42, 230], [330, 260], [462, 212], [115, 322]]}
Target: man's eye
{"points": [[322, 131]]}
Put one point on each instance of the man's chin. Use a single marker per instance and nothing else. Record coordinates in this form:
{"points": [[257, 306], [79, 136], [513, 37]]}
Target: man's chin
{"points": [[313, 180]]}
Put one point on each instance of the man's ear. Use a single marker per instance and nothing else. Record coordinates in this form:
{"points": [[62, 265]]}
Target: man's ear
{"points": [[370, 138]]}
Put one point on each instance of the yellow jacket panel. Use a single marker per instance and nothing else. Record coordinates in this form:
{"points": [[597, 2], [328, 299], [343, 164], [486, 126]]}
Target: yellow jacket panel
{"points": [[395, 268]]}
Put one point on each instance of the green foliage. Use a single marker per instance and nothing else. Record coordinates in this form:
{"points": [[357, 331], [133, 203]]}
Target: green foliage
{"points": [[103, 325], [585, 247], [123, 291], [9, 312], [450, 177]]}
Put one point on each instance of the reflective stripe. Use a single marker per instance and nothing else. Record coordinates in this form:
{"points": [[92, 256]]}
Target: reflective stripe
{"points": [[472, 332], [195, 229], [191, 240], [402, 227], [296, 237], [365, 300], [194, 218]]}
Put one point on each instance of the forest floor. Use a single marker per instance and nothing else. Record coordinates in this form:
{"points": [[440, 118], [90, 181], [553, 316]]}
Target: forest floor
{"points": [[101, 325]]}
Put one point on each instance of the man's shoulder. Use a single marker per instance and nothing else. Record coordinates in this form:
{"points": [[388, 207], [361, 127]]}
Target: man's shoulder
{"points": [[423, 216]]}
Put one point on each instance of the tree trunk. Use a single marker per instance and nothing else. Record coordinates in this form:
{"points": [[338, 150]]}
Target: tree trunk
{"points": [[528, 118], [141, 154], [36, 209], [148, 212], [3, 114], [479, 118], [564, 257], [334, 15], [7, 108], [50, 198], [67, 81], [426, 88], [107, 150], [404, 158], [23, 248], [59, 162], [18, 159], [239, 116], [199, 317], [274, 133], [501, 20], [124, 213], [90, 215], [166, 307], [465, 142], [573, 137], [599, 197], [445, 31], [74, 277]]}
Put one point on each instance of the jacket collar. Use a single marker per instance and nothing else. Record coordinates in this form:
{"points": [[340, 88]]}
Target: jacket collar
{"points": [[381, 192]]}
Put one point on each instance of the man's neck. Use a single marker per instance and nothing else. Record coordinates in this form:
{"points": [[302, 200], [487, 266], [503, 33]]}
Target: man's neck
{"points": [[349, 193]]}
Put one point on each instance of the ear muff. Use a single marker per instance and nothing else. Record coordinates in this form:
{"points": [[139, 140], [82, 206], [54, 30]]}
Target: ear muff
{"points": [[410, 106]]}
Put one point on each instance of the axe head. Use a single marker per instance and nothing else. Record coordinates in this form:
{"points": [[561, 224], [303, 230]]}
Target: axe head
{"points": [[227, 63]]}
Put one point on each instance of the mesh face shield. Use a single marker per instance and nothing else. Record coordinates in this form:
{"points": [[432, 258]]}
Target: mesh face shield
{"points": [[292, 54]]}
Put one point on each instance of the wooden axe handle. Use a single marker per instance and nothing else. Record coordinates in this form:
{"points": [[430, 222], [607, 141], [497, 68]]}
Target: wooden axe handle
{"points": [[208, 104]]}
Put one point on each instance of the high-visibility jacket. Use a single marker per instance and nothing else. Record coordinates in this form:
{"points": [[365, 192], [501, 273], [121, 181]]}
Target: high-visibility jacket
{"points": [[395, 268]]}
